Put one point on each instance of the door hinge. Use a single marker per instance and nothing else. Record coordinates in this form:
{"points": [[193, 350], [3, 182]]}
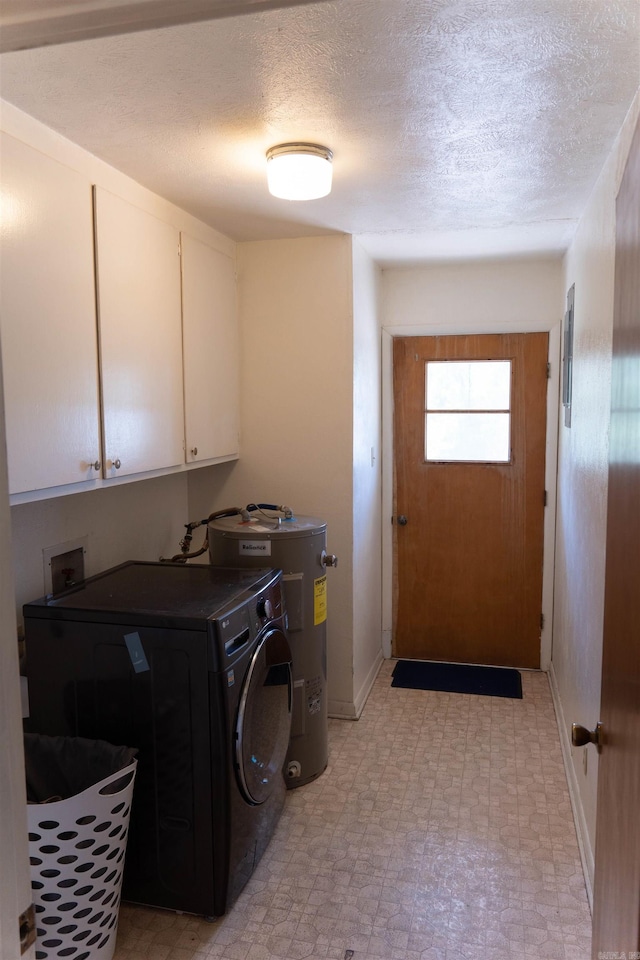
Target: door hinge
{"points": [[27, 924], [542, 621], [548, 371], [545, 498]]}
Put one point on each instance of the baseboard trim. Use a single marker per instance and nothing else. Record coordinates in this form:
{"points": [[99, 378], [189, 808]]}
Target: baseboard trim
{"points": [[370, 679], [344, 709], [584, 842], [341, 710]]}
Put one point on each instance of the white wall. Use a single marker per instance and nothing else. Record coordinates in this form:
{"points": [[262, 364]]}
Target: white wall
{"points": [[15, 887], [295, 299], [367, 475], [582, 482], [472, 297], [476, 297], [133, 521]]}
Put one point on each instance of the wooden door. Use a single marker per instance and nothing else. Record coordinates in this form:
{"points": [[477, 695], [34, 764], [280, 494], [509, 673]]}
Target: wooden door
{"points": [[469, 558], [616, 915]]}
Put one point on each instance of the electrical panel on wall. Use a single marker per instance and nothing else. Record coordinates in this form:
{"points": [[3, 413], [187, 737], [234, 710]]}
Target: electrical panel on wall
{"points": [[567, 360]]}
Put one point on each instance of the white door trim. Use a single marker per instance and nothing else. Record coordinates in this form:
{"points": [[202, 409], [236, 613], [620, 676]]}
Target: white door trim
{"points": [[15, 886], [551, 461]]}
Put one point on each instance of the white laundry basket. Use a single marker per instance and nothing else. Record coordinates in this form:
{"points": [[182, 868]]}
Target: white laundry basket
{"points": [[77, 849]]}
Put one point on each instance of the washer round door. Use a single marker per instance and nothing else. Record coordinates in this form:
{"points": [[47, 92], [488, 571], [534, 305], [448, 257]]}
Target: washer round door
{"points": [[264, 717]]}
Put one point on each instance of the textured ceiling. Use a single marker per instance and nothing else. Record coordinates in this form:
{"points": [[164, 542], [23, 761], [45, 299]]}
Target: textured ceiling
{"points": [[25, 24], [459, 127]]}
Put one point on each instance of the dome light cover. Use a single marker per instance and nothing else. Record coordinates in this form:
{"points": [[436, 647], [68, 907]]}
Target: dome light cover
{"points": [[299, 171]]}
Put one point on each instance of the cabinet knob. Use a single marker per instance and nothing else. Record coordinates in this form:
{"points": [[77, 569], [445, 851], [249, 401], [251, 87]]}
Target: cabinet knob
{"points": [[194, 451], [117, 464], [96, 465]]}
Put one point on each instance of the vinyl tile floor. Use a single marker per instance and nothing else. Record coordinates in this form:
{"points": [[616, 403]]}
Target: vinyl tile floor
{"points": [[441, 829]]}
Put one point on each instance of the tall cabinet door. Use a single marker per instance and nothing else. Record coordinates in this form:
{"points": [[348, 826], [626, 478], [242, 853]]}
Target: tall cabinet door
{"points": [[138, 276], [48, 329], [211, 349]]}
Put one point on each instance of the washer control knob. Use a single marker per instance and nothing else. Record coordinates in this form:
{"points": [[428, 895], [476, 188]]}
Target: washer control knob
{"points": [[265, 608]]}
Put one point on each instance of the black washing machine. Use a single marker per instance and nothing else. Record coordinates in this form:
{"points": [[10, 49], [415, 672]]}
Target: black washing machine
{"points": [[191, 665]]}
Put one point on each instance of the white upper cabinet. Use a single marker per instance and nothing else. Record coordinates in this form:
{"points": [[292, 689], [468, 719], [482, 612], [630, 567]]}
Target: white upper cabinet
{"points": [[138, 279], [120, 356], [48, 329], [211, 351]]}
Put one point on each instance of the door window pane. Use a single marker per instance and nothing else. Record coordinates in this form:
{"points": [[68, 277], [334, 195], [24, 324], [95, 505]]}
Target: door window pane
{"points": [[468, 411], [483, 437], [468, 384]]}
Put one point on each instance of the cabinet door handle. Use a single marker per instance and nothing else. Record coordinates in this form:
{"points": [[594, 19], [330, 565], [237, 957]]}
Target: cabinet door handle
{"points": [[117, 464], [194, 451], [96, 465]]}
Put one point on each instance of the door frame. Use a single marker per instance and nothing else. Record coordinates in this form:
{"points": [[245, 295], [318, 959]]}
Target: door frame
{"points": [[15, 885], [554, 329]]}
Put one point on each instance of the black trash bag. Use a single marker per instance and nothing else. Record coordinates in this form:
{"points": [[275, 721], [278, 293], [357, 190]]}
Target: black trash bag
{"points": [[61, 767]]}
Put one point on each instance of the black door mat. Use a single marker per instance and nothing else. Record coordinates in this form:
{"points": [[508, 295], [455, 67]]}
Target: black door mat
{"points": [[458, 678]]}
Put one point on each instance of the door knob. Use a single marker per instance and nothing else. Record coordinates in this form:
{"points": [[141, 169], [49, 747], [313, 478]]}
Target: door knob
{"points": [[580, 736], [402, 520]]}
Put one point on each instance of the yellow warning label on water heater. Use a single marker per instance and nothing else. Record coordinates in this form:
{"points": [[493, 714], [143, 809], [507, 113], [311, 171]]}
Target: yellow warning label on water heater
{"points": [[319, 600]]}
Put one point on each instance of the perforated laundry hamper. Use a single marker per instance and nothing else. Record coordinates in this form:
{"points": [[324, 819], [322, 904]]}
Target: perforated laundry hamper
{"points": [[77, 848]]}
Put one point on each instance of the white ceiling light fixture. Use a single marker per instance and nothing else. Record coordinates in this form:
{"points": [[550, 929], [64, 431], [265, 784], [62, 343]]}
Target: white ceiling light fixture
{"points": [[299, 171]]}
